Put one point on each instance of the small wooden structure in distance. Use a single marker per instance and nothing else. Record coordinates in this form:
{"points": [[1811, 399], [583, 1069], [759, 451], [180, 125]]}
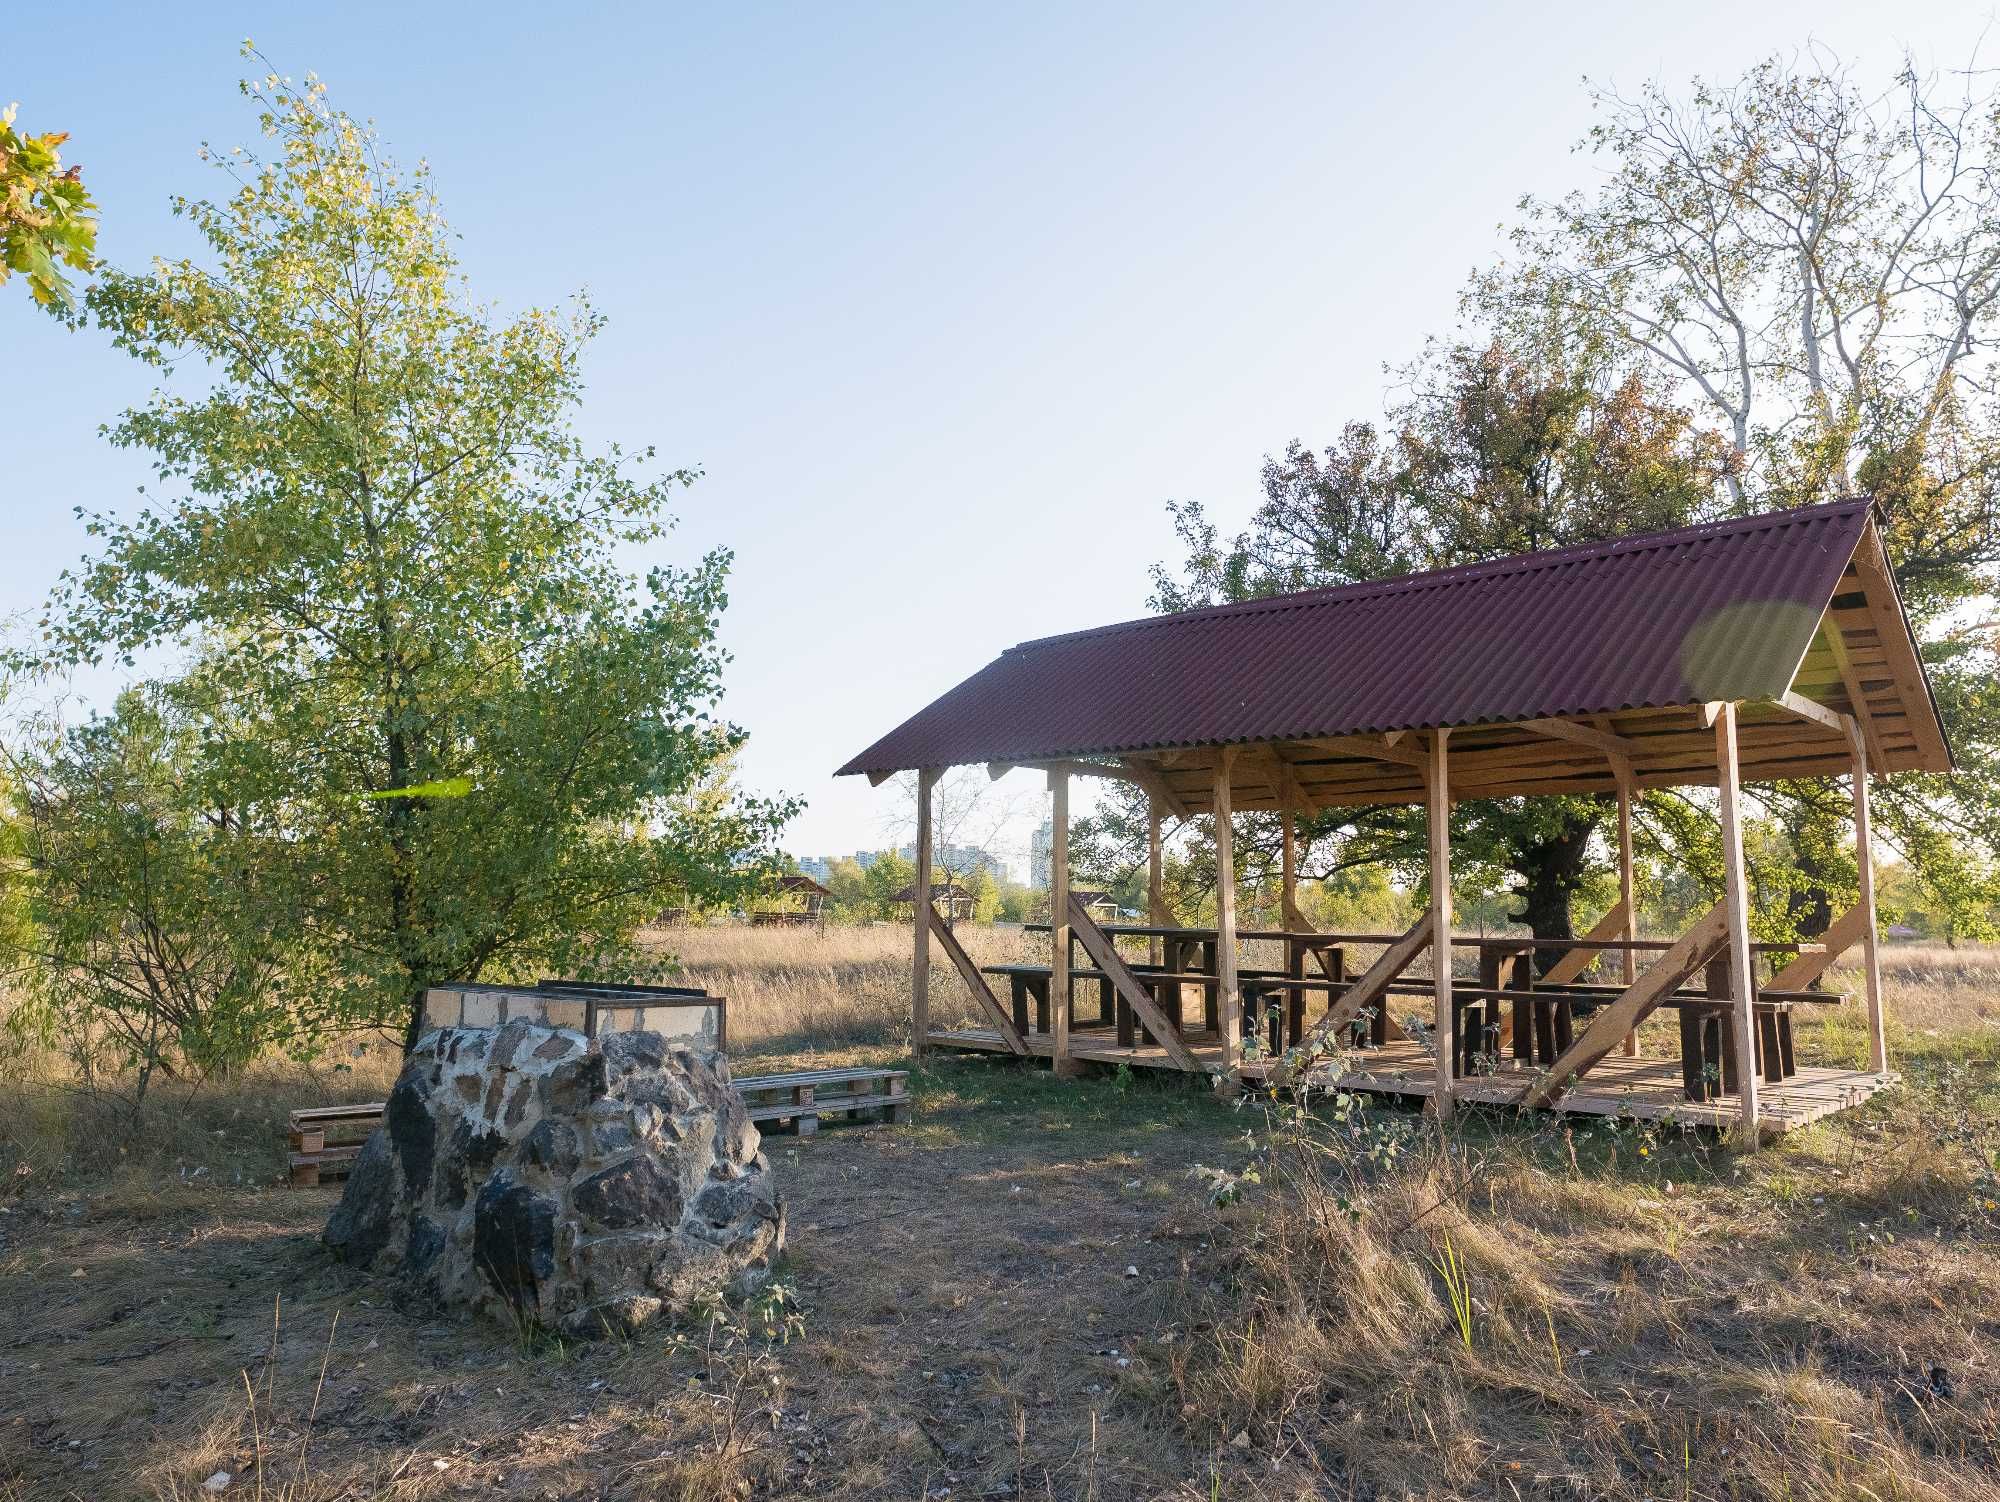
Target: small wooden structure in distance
{"points": [[948, 899], [1758, 648], [810, 894]]}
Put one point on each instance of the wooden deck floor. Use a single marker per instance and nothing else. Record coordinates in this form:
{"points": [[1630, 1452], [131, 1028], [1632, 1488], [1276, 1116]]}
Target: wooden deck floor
{"points": [[1641, 1087]]}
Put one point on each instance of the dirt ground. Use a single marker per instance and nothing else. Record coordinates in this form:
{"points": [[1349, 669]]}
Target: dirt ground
{"points": [[983, 1297]]}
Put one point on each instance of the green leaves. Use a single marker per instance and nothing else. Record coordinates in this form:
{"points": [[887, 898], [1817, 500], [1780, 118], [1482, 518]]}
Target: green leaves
{"points": [[387, 559], [47, 219]]}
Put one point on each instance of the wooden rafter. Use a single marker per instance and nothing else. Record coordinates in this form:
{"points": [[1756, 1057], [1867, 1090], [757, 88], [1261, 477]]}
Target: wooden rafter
{"points": [[1369, 746], [1857, 693], [1813, 710], [1584, 735], [1149, 778]]}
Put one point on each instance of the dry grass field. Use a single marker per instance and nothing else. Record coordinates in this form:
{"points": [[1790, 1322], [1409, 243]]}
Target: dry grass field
{"points": [[1028, 1293]]}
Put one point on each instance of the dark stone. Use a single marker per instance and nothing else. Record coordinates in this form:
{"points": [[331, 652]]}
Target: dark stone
{"points": [[426, 1241], [726, 1204], [573, 1084], [469, 1155], [514, 1239], [359, 1226], [551, 1146], [629, 1053], [637, 1192], [408, 1119]]}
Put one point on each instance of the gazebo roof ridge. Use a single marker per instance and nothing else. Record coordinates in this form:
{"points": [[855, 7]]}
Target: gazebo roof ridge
{"points": [[1459, 573], [1623, 644]]}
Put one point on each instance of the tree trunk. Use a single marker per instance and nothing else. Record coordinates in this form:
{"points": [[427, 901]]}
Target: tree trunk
{"points": [[1551, 871]]}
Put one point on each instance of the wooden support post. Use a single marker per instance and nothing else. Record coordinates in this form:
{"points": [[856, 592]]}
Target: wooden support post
{"points": [[1156, 885], [1736, 903], [1621, 767], [1864, 865], [1229, 994], [1059, 984], [1443, 1023], [920, 970]]}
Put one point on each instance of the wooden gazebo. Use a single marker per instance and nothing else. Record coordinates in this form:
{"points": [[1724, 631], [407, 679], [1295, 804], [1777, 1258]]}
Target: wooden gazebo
{"points": [[1760, 648]]}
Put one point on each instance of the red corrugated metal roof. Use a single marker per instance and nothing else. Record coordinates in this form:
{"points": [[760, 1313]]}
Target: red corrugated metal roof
{"points": [[1723, 611]]}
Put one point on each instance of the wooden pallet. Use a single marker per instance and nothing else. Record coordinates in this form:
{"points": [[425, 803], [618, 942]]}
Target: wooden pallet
{"points": [[313, 1157], [801, 1098], [797, 1100]]}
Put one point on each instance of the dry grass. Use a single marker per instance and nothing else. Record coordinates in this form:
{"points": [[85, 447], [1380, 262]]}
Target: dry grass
{"points": [[795, 990], [1651, 1315]]}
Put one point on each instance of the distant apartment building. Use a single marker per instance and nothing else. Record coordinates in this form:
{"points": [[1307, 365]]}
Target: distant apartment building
{"points": [[1040, 843]]}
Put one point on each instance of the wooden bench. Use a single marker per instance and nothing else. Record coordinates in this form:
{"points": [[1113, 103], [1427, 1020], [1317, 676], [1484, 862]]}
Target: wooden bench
{"points": [[798, 1099]]}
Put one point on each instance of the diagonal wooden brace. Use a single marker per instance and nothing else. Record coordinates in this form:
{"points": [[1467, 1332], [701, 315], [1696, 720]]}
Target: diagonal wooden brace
{"points": [[1841, 935], [1369, 988], [1632, 1005], [1578, 960], [1097, 944], [976, 983]]}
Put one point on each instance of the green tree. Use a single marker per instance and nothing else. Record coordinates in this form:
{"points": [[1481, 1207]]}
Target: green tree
{"points": [[47, 218], [1499, 448], [1813, 266], [155, 944], [887, 875], [489, 746]]}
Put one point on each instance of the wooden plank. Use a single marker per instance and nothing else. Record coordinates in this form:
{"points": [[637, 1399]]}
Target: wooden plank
{"points": [[1059, 985], [1736, 902], [1857, 691], [920, 889], [1841, 935], [1156, 886], [1611, 926], [1371, 987], [1621, 768], [975, 982], [1885, 610], [1149, 778], [1864, 865], [1444, 1021], [1229, 991], [1369, 746], [1583, 735], [1633, 1005], [1100, 947], [1812, 710]]}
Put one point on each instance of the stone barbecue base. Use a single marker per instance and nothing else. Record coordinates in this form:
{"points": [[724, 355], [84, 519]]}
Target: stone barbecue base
{"points": [[585, 1185]]}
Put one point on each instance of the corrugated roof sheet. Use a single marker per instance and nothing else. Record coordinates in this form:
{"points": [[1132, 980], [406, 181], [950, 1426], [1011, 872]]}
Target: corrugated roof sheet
{"points": [[1723, 611]]}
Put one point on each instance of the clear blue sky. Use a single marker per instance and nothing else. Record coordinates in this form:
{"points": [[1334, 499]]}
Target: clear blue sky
{"points": [[946, 300]]}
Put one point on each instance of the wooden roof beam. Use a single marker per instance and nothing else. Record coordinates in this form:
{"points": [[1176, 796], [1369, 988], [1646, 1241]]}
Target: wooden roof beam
{"points": [[998, 769], [1810, 709], [1584, 735], [1857, 696], [1288, 781], [1149, 778], [1370, 746]]}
